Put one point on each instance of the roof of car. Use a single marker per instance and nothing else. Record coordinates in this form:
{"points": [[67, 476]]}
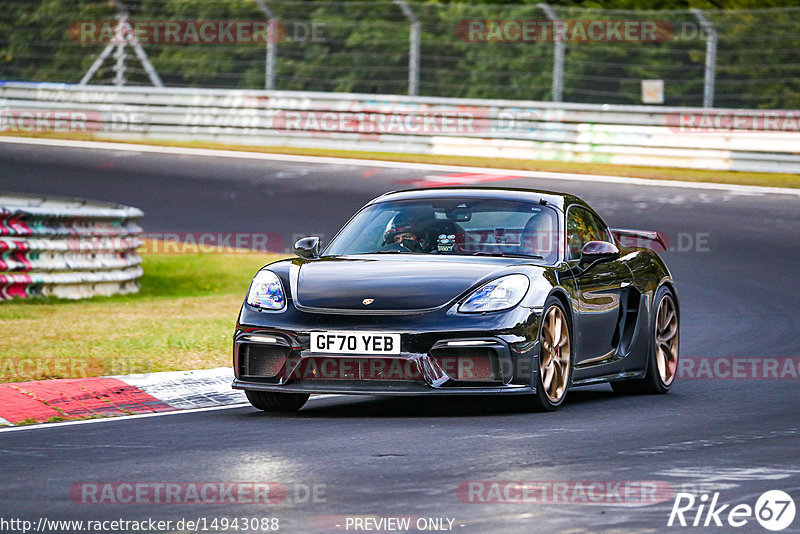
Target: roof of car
{"points": [[505, 193]]}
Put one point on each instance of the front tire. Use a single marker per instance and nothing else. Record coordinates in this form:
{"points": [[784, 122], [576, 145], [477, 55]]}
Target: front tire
{"points": [[662, 358], [276, 402], [555, 359]]}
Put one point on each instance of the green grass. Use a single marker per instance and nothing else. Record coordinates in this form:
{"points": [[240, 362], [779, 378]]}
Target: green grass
{"points": [[182, 318], [633, 171], [197, 275]]}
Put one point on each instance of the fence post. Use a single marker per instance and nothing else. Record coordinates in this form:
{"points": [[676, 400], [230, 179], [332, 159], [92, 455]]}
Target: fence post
{"points": [[272, 44], [558, 54], [413, 47], [711, 58]]}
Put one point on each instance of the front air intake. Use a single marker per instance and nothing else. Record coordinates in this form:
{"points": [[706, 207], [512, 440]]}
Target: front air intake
{"points": [[468, 364], [262, 361]]}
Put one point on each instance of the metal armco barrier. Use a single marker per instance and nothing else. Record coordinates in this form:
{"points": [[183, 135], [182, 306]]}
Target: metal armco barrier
{"points": [[742, 140], [68, 248]]}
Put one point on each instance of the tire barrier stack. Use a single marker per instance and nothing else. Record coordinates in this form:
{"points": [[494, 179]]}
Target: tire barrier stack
{"points": [[716, 139], [67, 248]]}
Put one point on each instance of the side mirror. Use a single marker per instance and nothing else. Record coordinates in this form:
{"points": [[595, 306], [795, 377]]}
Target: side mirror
{"points": [[598, 251], [307, 247]]}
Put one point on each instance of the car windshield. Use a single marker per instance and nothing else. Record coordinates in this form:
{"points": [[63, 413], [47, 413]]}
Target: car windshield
{"points": [[466, 227]]}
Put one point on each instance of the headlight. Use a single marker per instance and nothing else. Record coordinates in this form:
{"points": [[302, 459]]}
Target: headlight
{"points": [[499, 294], [266, 291]]}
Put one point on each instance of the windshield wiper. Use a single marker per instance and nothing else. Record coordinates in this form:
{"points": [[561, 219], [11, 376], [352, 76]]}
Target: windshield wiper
{"points": [[508, 255]]}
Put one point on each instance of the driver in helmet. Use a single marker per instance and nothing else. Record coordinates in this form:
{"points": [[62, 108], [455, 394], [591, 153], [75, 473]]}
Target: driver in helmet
{"points": [[404, 233]]}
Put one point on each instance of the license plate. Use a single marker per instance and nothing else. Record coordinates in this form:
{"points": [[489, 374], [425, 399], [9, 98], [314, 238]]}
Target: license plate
{"points": [[355, 343]]}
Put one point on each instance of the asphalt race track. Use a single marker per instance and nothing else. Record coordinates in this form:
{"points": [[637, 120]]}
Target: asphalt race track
{"points": [[735, 260]]}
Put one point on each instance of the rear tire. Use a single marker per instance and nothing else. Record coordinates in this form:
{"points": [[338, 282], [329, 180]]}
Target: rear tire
{"points": [[554, 374], [662, 358], [276, 402]]}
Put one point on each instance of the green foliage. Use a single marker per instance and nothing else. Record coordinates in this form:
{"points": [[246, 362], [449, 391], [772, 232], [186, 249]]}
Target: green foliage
{"points": [[360, 46]]}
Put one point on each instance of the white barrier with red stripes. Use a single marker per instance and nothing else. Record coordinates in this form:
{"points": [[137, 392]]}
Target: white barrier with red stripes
{"points": [[68, 248]]}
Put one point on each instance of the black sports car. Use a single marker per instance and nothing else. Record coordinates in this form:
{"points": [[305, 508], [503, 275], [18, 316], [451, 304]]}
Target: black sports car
{"points": [[461, 291]]}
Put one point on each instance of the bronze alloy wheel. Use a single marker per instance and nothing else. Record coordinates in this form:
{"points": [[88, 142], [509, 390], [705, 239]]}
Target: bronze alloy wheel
{"points": [[666, 341], [554, 362]]}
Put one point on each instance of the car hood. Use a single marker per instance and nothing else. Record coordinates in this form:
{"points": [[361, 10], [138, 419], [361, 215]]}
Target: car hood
{"points": [[394, 283]]}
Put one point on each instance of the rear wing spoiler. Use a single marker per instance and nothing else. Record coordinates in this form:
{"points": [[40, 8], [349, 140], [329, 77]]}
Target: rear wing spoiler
{"points": [[655, 241]]}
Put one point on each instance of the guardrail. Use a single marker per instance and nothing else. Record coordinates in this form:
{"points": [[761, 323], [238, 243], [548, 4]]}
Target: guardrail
{"points": [[742, 140], [68, 248]]}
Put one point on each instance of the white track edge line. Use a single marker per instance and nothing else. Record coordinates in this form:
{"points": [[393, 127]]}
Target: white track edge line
{"points": [[545, 175], [120, 418]]}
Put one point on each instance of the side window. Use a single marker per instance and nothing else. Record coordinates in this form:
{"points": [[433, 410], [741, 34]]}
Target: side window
{"points": [[582, 227]]}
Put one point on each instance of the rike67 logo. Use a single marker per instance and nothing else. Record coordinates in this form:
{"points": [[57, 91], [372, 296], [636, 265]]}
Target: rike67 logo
{"points": [[774, 510]]}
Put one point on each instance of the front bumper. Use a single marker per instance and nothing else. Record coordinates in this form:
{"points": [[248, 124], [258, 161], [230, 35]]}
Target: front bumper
{"points": [[377, 388], [440, 353]]}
